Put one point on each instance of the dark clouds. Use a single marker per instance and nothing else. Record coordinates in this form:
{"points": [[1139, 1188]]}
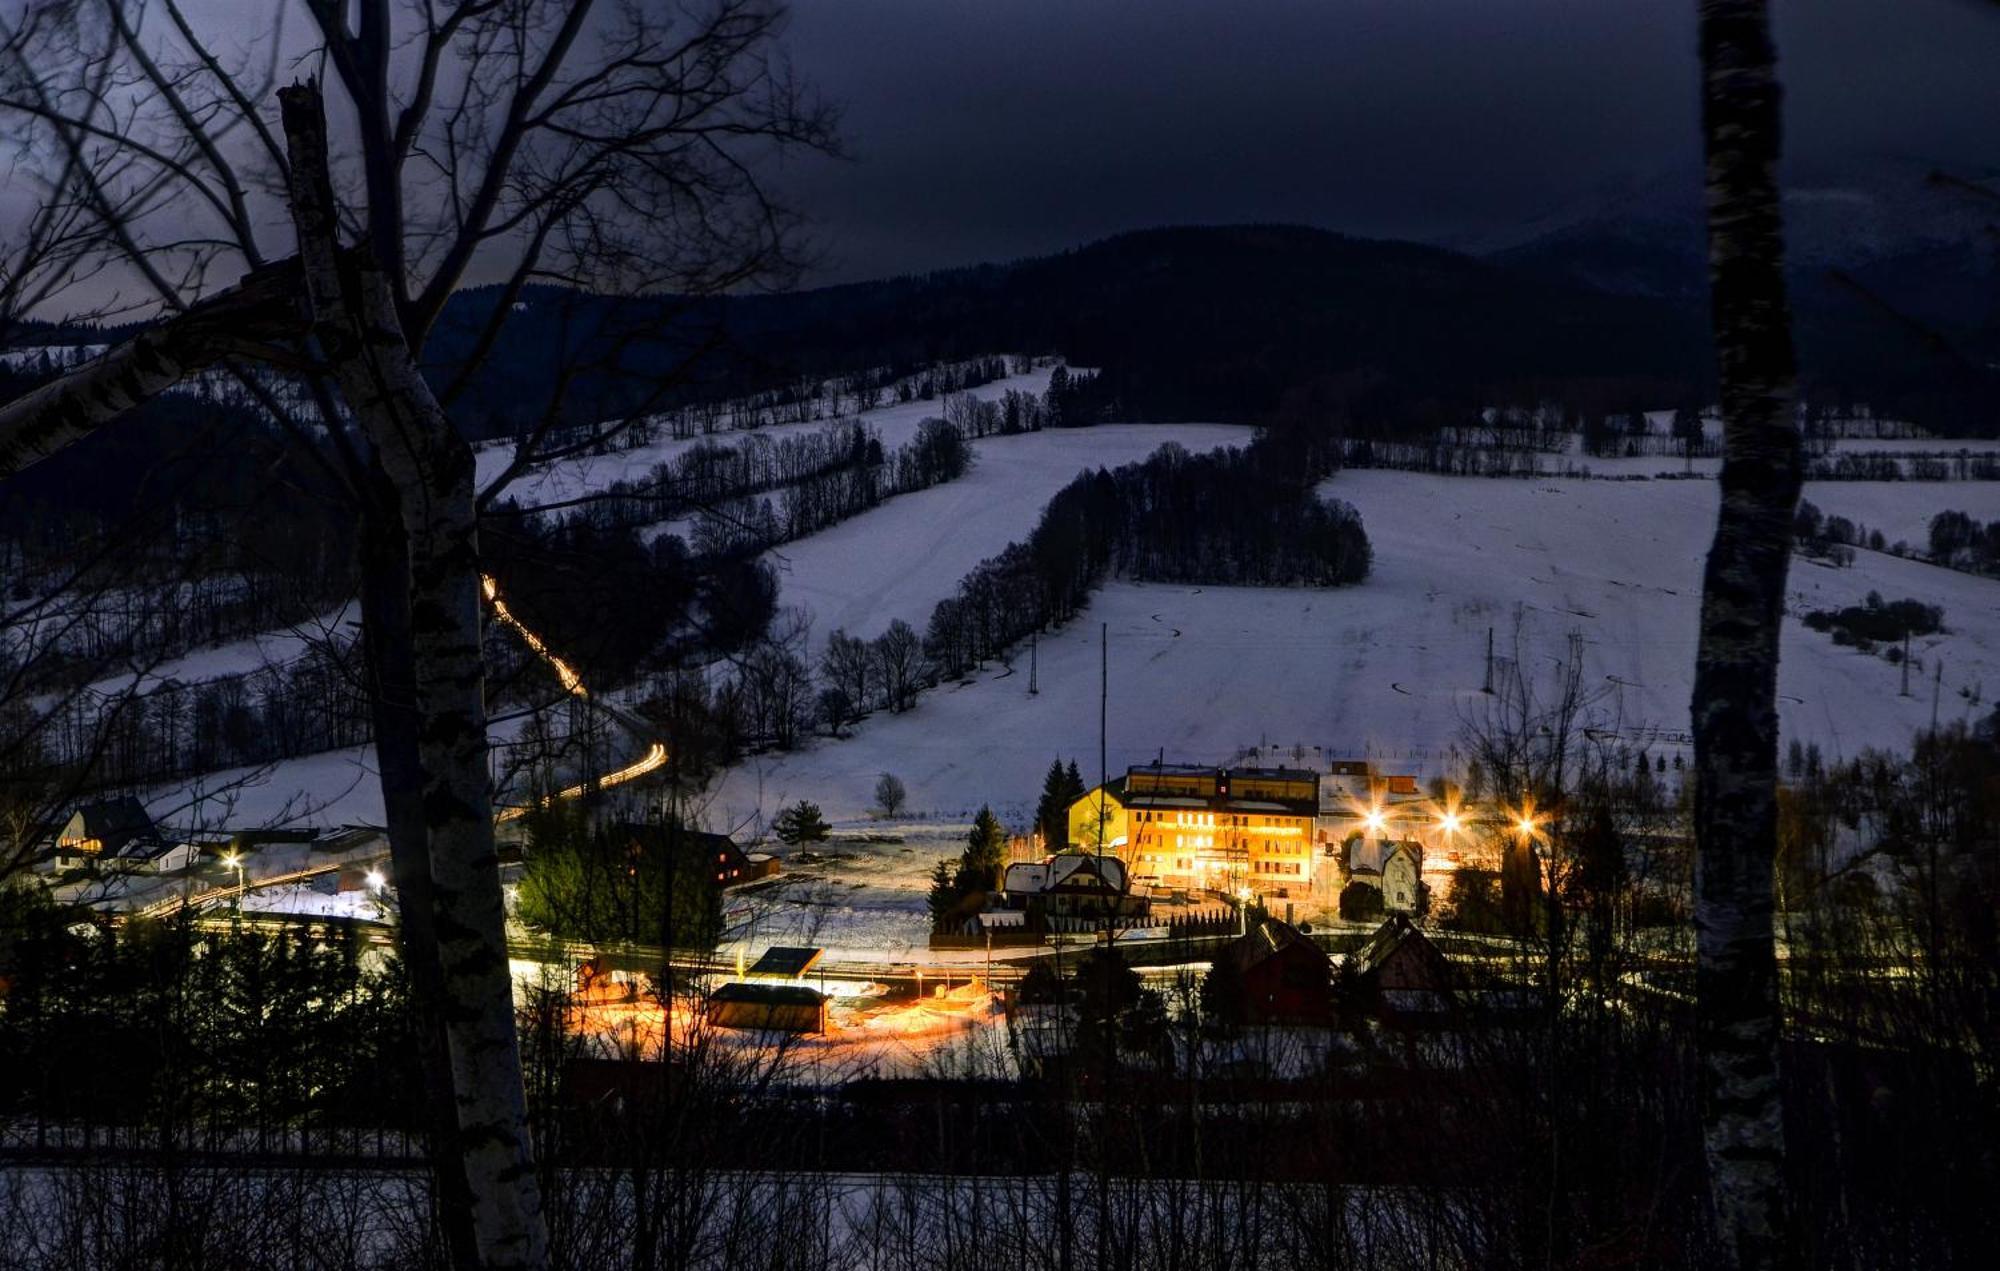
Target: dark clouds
{"points": [[985, 129]]}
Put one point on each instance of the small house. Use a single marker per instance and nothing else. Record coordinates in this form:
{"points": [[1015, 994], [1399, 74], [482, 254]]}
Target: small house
{"points": [[1285, 977], [1402, 969], [108, 834], [1073, 884], [777, 1007], [730, 863]]}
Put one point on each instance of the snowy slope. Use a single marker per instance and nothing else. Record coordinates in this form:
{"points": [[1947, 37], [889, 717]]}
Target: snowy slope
{"points": [[1392, 667], [900, 559], [570, 478]]}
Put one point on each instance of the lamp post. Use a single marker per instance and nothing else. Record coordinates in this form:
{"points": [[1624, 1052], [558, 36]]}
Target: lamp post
{"points": [[234, 861]]}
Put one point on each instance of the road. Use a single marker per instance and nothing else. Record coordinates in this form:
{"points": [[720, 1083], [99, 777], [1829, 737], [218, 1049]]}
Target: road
{"points": [[375, 851]]}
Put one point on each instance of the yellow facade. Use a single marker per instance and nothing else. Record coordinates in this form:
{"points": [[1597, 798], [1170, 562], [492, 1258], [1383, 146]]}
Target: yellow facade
{"points": [[1208, 829], [1202, 850], [1083, 821]]}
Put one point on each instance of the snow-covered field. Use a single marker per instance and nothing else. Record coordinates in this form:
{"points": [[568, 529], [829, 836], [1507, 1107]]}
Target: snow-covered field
{"points": [[900, 559], [334, 787], [1391, 668]]}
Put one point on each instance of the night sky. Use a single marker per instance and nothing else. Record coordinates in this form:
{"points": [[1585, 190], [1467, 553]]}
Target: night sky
{"points": [[988, 129]]}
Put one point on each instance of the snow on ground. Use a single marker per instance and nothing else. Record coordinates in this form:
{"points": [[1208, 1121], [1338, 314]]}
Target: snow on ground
{"points": [[896, 424], [1391, 668], [334, 787], [849, 895], [239, 657], [898, 560]]}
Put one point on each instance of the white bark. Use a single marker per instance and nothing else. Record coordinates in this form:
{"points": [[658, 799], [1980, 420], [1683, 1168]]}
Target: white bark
{"points": [[431, 467]]}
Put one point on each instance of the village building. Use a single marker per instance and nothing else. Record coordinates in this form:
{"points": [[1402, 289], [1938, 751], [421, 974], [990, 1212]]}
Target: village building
{"points": [[730, 864], [1193, 828], [1072, 885], [112, 835], [1283, 977], [1097, 820], [1401, 971], [776, 1007], [1393, 868]]}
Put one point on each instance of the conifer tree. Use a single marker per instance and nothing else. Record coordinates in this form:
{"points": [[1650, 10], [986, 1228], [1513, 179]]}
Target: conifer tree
{"points": [[800, 823], [985, 853], [1052, 813]]}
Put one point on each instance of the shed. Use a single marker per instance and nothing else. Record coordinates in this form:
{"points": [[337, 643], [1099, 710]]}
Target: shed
{"points": [[785, 1008]]}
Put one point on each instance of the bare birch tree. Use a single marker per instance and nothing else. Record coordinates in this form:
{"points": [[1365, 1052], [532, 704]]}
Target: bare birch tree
{"points": [[519, 141], [1736, 666]]}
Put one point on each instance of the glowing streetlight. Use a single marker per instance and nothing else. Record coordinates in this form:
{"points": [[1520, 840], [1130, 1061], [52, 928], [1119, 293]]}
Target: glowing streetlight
{"points": [[375, 880], [1374, 820], [1450, 823], [234, 860]]}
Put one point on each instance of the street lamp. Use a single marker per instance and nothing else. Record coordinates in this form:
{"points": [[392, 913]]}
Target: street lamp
{"points": [[234, 860], [375, 880]]}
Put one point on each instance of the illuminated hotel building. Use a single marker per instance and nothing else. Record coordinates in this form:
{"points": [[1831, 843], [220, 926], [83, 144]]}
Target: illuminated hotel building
{"points": [[1216, 829]]}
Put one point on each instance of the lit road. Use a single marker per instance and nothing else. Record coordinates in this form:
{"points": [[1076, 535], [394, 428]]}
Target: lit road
{"points": [[654, 758]]}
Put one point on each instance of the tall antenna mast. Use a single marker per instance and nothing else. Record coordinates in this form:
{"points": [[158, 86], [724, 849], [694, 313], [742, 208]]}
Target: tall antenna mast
{"points": [[1103, 765]]}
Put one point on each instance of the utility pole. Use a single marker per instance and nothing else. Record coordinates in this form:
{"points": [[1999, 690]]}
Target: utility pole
{"points": [[1487, 687], [1033, 663], [1937, 686], [1103, 764], [1905, 692]]}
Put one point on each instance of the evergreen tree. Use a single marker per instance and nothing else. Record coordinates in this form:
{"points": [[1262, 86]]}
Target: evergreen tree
{"points": [[944, 893], [985, 853], [1052, 813], [800, 823]]}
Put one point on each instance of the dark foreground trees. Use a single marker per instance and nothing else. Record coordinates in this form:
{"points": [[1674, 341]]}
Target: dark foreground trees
{"points": [[516, 141]]}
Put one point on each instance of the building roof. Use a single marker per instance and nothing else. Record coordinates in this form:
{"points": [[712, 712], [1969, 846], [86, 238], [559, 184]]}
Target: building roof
{"points": [[1276, 774], [1400, 936], [1268, 938], [680, 836], [786, 961], [1072, 870], [768, 994], [121, 825]]}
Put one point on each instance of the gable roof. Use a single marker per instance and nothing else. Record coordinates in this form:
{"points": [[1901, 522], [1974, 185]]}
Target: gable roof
{"points": [[1398, 935], [1268, 938], [1080, 869], [1072, 871], [120, 825]]}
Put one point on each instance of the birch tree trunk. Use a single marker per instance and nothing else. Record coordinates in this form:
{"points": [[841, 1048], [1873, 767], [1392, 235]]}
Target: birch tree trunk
{"points": [[1736, 666], [263, 307], [392, 695], [431, 468]]}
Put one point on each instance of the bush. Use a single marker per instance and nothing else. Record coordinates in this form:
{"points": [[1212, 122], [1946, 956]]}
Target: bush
{"points": [[1359, 902]]}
